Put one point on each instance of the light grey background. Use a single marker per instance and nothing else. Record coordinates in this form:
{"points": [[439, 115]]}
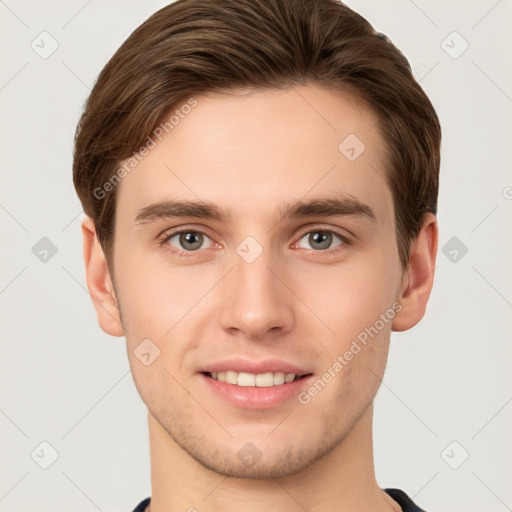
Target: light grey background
{"points": [[66, 383]]}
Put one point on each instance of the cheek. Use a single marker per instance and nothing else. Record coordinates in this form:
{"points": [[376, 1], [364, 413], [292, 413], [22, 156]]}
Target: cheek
{"points": [[168, 306], [155, 297], [158, 384], [350, 296]]}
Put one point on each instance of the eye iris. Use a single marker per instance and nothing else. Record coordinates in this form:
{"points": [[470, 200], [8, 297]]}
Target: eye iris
{"points": [[191, 241], [320, 237]]}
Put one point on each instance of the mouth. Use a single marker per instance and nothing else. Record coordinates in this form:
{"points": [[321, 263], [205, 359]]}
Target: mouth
{"points": [[264, 385], [246, 383], [260, 380]]}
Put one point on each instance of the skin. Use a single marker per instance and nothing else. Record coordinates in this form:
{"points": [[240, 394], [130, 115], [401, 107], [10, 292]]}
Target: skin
{"points": [[252, 153]]}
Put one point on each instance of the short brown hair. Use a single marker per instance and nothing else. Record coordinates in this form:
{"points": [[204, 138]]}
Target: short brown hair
{"points": [[197, 46]]}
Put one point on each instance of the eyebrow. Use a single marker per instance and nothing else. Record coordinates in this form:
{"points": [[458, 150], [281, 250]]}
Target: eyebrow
{"points": [[329, 206]]}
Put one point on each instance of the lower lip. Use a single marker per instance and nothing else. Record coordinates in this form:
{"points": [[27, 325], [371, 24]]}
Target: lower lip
{"points": [[253, 397]]}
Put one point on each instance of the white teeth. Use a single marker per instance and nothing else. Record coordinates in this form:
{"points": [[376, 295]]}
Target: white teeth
{"points": [[232, 377], [261, 380], [279, 378], [246, 379]]}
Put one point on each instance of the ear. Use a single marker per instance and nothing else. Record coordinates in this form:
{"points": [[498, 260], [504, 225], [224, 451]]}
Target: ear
{"points": [[99, 282], [418, 279]]}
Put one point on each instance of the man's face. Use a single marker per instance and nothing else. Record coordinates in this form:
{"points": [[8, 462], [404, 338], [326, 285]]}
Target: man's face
{"points": [[270, 289]]}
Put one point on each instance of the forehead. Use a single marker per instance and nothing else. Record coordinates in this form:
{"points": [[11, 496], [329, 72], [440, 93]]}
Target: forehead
{"points": [[250, 149]]}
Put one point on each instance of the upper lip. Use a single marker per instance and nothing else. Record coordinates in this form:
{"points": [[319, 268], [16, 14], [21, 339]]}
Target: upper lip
{"points": [[256, 367]]}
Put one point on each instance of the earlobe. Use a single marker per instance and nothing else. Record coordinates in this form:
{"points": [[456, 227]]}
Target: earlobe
{"points": [[418, 279], [99, 281]]}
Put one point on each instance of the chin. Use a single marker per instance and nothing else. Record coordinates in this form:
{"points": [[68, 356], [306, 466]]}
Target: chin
{"points": [[277, 465], [261, 459]]}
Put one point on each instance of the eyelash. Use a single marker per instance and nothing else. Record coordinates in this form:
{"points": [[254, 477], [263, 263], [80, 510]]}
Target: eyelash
{"points": [[347, 241]]}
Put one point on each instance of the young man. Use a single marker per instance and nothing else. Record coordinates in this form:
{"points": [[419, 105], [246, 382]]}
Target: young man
{"points": [[260, 185]]}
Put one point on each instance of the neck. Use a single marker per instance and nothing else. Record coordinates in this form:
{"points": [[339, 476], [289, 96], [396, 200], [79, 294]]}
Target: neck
{"points": [[343, 480]]}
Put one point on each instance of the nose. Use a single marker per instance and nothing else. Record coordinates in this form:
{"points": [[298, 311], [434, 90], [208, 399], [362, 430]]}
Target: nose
{"points": [[256, 301]]}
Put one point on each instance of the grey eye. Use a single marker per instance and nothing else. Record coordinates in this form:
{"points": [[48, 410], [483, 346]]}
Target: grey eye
{"points": [[320, 240], [188, 240]]}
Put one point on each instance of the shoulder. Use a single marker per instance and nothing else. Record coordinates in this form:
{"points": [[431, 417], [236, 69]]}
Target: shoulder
{"points": [[403, 500], [141, 507]]}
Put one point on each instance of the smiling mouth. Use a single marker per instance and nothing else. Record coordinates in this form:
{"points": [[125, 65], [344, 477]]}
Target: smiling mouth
{"points": [[261, 380]]}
